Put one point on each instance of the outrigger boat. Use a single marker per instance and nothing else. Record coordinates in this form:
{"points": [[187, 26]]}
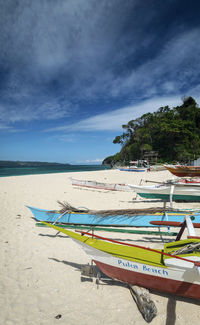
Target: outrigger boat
{"points": [[171, 191], [110, 218], [133, 169], [182, 171], [101, 186], [174, 269]]}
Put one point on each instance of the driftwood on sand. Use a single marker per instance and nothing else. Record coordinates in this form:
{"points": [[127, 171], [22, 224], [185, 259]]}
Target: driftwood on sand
{"points": [[144, 302]]}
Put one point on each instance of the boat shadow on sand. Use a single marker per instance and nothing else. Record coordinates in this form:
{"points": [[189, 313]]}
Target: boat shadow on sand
{"points": [[171, 305], [88, 276]]}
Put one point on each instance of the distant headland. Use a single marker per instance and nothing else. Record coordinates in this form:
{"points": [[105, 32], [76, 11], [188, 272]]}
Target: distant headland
{"points": [[10, 163]]}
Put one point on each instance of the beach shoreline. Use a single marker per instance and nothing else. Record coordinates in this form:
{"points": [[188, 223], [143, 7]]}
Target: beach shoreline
{"points": [[41, 273]]}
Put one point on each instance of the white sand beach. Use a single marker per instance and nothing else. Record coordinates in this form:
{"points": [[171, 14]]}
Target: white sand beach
{"points": [[40, 275]]}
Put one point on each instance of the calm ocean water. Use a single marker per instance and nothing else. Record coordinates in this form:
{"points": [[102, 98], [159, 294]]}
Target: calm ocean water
{"points": [[19, 171]]}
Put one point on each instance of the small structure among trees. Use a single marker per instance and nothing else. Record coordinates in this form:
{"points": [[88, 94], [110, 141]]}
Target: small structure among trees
{"points": [[151, 157]]}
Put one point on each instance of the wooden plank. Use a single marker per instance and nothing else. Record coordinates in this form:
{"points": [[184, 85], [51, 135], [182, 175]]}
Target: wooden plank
{"points": [[171, 223]]}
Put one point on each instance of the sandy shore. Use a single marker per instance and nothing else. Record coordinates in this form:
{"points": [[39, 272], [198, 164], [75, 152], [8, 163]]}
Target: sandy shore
{"points": [[40, 275]]}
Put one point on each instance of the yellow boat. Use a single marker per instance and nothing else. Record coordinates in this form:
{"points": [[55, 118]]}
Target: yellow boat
{"points": [[174, 269]]}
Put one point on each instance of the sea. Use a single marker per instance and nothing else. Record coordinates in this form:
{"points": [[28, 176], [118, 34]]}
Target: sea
{"points": [[20, 171]]}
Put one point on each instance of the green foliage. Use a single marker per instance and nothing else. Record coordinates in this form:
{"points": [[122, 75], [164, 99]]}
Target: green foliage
{"points": [[112, 160], [173, 133]]}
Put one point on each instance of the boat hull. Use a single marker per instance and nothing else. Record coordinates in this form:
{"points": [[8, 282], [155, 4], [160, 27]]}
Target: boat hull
{"points": [[157, 277], [186, 192], [184, 171], [112, 220], [137, 170], [144, 267], [166, 197], [184, 289], [101, 186]]}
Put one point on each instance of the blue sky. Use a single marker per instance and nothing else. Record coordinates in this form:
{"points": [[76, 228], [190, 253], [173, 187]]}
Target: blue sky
{"points": [[73, 71]]}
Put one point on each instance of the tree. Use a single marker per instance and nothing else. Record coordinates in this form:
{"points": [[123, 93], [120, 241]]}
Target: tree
{"points": [[174, 133]]}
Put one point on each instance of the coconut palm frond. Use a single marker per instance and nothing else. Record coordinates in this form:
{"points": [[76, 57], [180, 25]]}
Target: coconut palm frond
{"points": [[127, 212], [66, 207]]}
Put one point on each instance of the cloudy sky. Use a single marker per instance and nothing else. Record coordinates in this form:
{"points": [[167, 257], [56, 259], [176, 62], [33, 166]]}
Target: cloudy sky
{"points": [[73, 71]]}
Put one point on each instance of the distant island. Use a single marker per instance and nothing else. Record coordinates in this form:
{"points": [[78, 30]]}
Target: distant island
{"points": [[10, 163]]}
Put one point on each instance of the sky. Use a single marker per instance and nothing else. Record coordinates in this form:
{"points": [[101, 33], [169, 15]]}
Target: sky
{"points": [[72, 72]]}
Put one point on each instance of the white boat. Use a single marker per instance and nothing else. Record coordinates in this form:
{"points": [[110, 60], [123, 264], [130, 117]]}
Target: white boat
{"points": [[102, 186], [174, 191]]}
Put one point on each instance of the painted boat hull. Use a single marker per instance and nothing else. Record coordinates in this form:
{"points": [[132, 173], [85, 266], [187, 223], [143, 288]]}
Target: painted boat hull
{"points": [[117, 221], [184, 289], [140, 267], [186, 192], [184, 171], [138, 170]]}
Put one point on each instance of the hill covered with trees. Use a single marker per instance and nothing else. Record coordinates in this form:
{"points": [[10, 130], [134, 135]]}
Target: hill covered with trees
{"points": [[173, 133]]}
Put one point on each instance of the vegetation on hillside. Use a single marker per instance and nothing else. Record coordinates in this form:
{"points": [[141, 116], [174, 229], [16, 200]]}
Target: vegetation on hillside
{"points": [[173, 133]]}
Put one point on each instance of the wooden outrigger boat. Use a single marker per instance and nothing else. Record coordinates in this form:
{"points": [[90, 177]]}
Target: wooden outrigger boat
{"points": [[174, 269], [112, 218], [101, 186], [182, 171]]}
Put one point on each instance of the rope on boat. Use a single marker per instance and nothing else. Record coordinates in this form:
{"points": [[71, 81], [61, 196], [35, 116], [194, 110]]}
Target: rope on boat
{"points": [[187, 249]]}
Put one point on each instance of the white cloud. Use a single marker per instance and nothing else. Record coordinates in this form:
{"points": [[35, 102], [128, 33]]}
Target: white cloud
{"points": [[71, 51], [24, 111], [78, 43], [175, 66], [113, 120], [68, 138], [90, 161], [10, 129], [97, 160]]}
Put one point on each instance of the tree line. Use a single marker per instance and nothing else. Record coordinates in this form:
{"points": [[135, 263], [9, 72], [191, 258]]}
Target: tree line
{"points": [[173, 133]]}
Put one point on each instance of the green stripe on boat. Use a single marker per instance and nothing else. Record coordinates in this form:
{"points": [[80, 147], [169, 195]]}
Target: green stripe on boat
{"points": [[127, 231]]}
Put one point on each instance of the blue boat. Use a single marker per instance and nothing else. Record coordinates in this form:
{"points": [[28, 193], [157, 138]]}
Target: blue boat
{"points": [[123, 220], [132, 169]]}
